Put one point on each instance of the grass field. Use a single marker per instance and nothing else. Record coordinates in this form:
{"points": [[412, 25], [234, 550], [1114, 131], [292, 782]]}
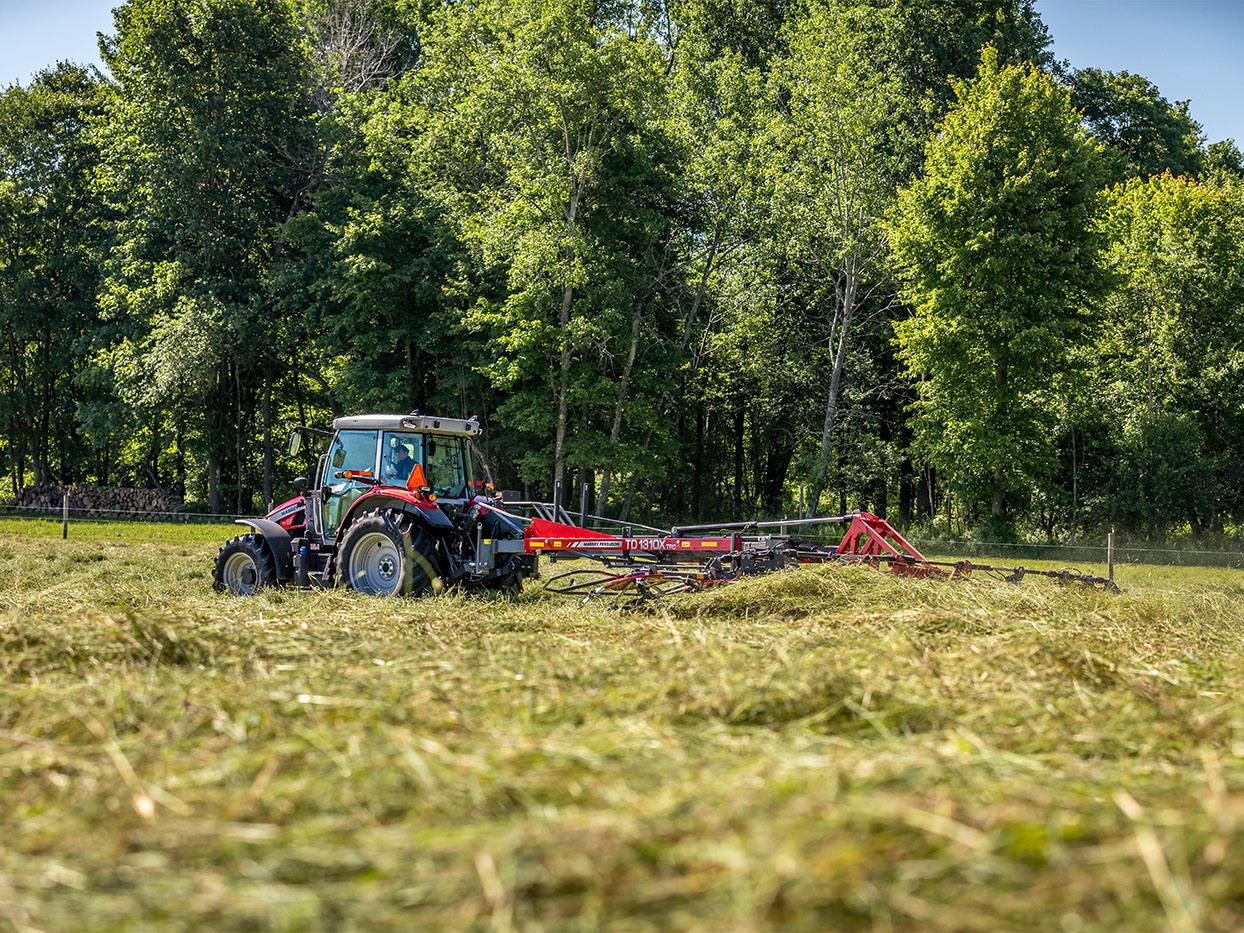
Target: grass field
{"points": [[824, 748]]}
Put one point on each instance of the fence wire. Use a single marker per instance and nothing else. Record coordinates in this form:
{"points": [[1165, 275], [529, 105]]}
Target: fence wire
{"points": [[113, 515]]}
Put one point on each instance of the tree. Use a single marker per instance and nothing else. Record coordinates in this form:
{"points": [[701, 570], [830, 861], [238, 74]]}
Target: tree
{"points": [[937, 40], [1162, 474], [205, 142], [718, 55], [841, 125], [1170, 355], [998, 254], [50, 241], [1223, 159], [537, 135], [1144, 133], [843, 144], [367, 282]]}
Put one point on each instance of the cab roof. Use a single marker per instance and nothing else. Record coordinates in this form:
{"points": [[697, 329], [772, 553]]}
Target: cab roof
{"points": [[427, 424]]}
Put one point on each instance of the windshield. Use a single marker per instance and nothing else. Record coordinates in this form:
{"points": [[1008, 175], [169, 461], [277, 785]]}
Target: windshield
{"points": [[350, 451]]}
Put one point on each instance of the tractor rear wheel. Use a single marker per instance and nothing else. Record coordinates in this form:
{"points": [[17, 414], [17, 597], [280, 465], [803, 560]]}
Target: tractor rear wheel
{"points": [[382, 554], [243, 566]]}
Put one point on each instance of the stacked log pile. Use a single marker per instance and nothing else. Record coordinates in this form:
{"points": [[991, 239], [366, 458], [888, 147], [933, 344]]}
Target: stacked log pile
{"points": [[102, 501]]}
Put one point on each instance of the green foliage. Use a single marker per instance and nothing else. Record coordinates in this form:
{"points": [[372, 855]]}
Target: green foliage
{"points": [[997, 249], [202, 141], [844, 141], [543, 129], [1163, 475], [1143, 132], [1175, 246], [937, 40], [1171, 349], [1223, 160], [50, 243]]}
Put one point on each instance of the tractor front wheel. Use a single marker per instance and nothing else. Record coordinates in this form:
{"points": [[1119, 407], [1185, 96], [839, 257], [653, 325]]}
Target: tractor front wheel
{"points": [[382, 555], [243, 566]]}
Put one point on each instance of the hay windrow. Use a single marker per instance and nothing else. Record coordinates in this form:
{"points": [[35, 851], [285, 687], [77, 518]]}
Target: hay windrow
{"points": [[820, 748]]}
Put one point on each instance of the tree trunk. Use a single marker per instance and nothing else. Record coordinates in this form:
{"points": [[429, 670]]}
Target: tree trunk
{"points": [[616, 431], [588, 503], [926, 500], [267, 437], [846, 310], [1075, 477], [688, 327], [630, 496], [997, 507], [739, 434], [777, 465], [44, 439], [213, 483], [562, 390], [179, 465], [237, 439], [697, 465]]}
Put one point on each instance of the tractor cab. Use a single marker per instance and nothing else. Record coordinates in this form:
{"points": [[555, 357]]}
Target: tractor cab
{"points": [[412, 454]]}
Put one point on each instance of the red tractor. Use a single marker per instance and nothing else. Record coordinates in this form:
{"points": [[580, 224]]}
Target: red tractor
{"points": [[394, 511]]}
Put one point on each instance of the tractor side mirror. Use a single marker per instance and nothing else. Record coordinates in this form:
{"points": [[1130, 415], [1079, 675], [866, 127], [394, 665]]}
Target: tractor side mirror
{"points": [[301, 484], [295, 443]]}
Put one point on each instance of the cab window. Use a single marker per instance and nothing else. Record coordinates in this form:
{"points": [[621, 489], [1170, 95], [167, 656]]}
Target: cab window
{"points": [[398, 455], [448, 466]]}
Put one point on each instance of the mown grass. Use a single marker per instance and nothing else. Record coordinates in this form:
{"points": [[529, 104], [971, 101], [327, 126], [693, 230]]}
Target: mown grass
{"points": [[826, 748]]}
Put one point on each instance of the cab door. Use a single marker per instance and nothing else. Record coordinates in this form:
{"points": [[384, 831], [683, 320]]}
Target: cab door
{"points": [[354, 451]]}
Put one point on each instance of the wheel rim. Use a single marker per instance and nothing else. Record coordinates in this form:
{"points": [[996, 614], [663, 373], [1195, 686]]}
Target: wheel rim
{"points": [[241, 574], [376, 565]]}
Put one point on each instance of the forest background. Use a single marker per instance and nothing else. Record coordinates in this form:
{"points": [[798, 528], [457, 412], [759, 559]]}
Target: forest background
{"points": [[710, 259]]}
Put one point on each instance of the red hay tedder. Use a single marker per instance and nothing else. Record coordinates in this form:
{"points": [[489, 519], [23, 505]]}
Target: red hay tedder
{"points": [[645, 567]]}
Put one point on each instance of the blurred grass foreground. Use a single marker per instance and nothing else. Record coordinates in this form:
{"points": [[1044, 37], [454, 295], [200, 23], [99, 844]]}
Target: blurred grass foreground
{"points": [[822, 748]]}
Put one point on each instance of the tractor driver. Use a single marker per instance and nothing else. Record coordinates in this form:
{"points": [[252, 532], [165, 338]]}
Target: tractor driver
{"points": [[402, 462]]}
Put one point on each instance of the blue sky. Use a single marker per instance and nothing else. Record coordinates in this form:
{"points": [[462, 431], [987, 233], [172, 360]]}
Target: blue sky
{"points": [[37, 33], [1191, 49]]}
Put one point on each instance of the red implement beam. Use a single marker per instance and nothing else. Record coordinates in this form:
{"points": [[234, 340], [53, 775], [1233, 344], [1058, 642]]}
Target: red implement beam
{"points": [[543, 535]]}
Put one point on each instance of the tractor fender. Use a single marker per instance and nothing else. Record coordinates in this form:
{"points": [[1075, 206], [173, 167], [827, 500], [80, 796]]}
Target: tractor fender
{"points": [[432, 518], [278, 542], [425, 514]]}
